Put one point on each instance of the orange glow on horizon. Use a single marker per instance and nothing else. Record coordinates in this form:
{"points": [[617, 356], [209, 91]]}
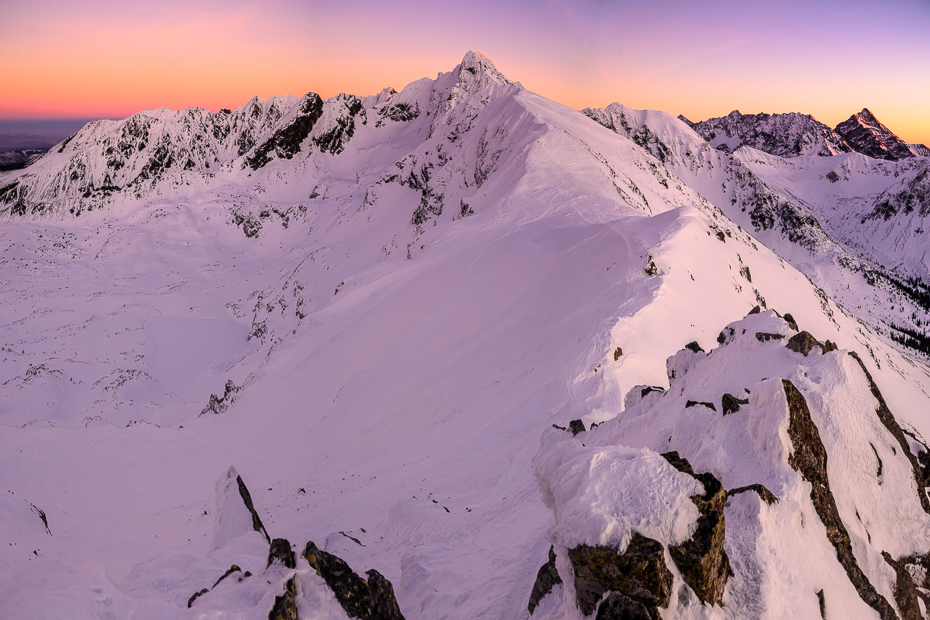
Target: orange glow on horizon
{"points": [[102, 60]]}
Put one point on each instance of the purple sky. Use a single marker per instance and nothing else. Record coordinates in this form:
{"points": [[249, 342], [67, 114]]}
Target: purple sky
{"points": [[82, 59]]}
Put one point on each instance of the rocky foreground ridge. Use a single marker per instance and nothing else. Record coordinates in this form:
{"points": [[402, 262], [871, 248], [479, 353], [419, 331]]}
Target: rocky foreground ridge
{"points": [[770, 478]]}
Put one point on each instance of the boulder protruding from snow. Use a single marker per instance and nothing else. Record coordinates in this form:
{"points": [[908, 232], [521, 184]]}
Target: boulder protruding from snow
{"points": [[804, 342], [281, 552], [576, 426], [731, 404], [235, 512], [285, 606], [639, 573], [371, 599]]}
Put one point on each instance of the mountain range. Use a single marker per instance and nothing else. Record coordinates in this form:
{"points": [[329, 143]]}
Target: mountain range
{"points": [[794, 134], [460, 351]]}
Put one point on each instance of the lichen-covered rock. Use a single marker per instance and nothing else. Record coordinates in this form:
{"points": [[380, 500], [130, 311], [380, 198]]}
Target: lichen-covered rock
{"points": [[285, 606], [383, 602], [281, 552], [803, 343], [546, 579], [639, 573], [619, 607], [905, 592], [701, 559], [371, 599], [764, 494]]}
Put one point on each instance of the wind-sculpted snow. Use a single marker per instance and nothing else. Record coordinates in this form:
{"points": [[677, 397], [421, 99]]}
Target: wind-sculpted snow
{"points": [[781, 553], [374, 329]]}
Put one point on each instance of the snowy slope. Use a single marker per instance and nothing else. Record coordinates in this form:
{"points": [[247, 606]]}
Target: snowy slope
{"points": [[876, 209], [863, 261], [403, 310]]}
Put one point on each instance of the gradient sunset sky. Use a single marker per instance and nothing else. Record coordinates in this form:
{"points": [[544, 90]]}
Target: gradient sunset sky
{"points": [[80, 59]]}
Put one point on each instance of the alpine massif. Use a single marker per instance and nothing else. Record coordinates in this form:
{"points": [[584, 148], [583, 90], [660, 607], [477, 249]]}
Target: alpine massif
{"points": [[460, 351]]}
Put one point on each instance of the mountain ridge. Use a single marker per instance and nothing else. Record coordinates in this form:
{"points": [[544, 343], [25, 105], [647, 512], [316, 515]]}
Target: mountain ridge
{"points": [[793, 134], [377, 326]]}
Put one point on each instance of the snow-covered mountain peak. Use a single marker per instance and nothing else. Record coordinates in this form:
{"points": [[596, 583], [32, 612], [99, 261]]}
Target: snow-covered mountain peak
{"points": [[475, 78], [866, 134], [477, 70]]}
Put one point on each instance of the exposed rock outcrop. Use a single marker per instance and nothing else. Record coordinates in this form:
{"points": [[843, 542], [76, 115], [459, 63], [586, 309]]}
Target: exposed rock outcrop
{"points": [[731, 404], [639, 573], [785, 135], [692, 403], [285, 606], [619, 607], [765, 337], [865, 134], [371, 599], [546, 579], [888, 420], [281, 552], [804, 343], [810, 460], [576, 426], [219, 404], [285, 142], [905, 592], [701, 559], [759, 489], [232, 569], [235, 512]]}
